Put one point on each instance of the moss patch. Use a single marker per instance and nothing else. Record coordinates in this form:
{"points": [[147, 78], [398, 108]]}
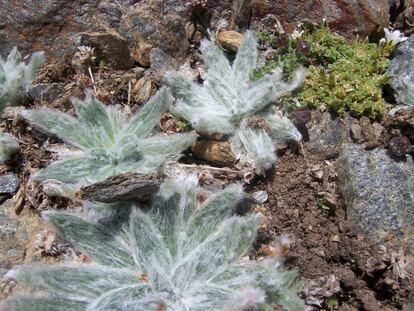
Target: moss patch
{"points": [[342, 76]]}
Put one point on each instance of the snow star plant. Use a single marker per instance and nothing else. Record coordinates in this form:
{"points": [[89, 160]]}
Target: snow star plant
{"points": [[179, 255], [229, 98], [109, 142], [16, 77]]}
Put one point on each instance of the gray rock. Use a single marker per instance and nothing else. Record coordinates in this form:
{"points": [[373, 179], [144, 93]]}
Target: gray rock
{"points": [[124, 187], [13, 241], [110, 47], [326, 133], [9, 147], [378, 192], [240, 15], [54, 25], [402, 71], [45, 92], [9, 184], [161, 61], [155, 23]]}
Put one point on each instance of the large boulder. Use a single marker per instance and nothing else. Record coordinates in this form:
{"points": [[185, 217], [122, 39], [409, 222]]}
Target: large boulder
{"points": [[401, 71], [379, 193], [54, 25], [155, 24], [348, 17]]}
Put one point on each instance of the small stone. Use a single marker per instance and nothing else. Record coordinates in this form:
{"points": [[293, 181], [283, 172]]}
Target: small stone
{"points": [[45, 92], [230, 40], [356, 132], [302, 115], [400, 146], [335, 238], [9, 184], [317, 172], [143, 90], [216, 152], [260, 196], [378, 130], [123, 187]]}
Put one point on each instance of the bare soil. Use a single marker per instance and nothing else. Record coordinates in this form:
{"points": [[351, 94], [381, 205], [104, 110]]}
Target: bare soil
{"points": [[342, 269]]}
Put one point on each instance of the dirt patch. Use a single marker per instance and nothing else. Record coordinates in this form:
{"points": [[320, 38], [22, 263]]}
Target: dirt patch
{"points": [[345, 270]]}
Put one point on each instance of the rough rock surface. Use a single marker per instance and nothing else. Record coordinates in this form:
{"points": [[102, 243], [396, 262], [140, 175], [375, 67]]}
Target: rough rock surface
{"points": [[155, 23], [348, 17], [241, 14], [123, 187], [402, 70], [46, 92], [402, 15], [13, 239], [110, 47], [378, 192], [52, 25], [9, 184], [326, 133]]}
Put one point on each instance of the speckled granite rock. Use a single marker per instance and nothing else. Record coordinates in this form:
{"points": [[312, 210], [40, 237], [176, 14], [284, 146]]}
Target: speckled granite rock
{"points": [[402, 71], [326, 132], [13, 241], [155, 23], [9, 184], [378, 192], [348, 17], [54, 25]]}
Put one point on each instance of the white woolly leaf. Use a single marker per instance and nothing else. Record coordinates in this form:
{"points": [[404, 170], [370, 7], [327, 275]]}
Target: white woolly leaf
{"points": [[179, 255], [110, 142], [16, 77], [282, 128], [259, 147], [228, 97]]}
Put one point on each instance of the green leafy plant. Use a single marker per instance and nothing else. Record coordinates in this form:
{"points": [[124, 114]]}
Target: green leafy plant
{"points": [[16, 77], [342, 76], [109, 142], [9, 146], [177, 255], [228, 98]]}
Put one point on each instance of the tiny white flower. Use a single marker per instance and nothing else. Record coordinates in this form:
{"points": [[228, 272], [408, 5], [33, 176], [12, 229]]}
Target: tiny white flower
{"points": [[382, 43], [393, 37], [296, 34]]}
